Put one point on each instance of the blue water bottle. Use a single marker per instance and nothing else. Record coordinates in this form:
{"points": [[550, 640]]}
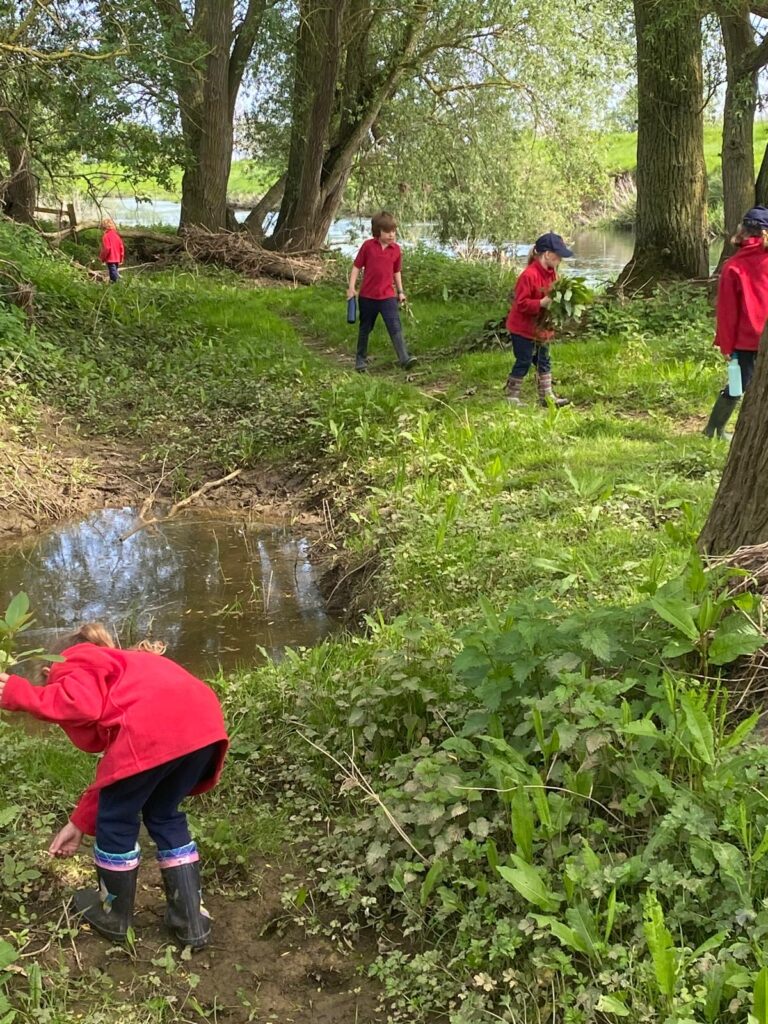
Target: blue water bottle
{"points": [[735, 390], [352, 311]]}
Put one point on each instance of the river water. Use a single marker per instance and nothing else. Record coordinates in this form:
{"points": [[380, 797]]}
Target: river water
{"points": [[598, 255], [219, 591]]}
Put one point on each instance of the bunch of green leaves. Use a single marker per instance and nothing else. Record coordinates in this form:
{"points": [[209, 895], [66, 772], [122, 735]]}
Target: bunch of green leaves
{"points": [[17, 620], [570, 298]]}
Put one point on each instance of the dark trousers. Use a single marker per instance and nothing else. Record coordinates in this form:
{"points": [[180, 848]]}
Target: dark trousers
{"points": [[114, 272], [154, 795], [747, 364], [390, 314], [528, 353]]}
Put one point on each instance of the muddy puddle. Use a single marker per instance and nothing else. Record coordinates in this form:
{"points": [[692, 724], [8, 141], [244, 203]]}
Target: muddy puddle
{"points": [[219, 591]]}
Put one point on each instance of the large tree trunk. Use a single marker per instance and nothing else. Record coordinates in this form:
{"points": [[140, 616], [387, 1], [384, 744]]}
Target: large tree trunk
{"points": [[338, 93], [671, 239], [207, 125], [210, 57], [739, 514], [318, 56], [738, 154], [19, 193]]}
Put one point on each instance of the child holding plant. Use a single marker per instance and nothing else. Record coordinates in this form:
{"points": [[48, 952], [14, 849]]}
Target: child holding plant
{"points": [[381, 261], [742, 310], [162, 735], [524, 322], [112, 250]]}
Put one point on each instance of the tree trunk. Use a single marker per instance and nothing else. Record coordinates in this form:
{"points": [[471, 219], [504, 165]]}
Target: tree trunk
{"points": [[19, 194], [739, 514], [671, 238], [207, 124], [318, 55], [270, 201], [738, 123]]}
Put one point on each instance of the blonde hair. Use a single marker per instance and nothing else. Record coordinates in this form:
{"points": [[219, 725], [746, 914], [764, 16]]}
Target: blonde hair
{"points": [[107, 223], [98, 634]]}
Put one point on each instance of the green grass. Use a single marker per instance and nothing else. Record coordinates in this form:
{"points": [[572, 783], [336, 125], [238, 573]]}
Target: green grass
{"points": [[621, 148]]}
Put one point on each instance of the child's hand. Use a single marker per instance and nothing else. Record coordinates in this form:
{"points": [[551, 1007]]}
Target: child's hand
{"points": [[401, 298], [4, 677], [66, 842], [351, 293], [546, 302]]}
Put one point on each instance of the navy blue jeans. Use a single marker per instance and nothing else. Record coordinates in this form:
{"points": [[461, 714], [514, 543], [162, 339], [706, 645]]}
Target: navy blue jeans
{"points": [[747, 364], [528, 353], [390, 314], [154, 795], [114, 272]]}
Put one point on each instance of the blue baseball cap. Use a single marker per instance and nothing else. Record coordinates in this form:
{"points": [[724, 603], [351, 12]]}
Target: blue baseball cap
{"points": [[554, 243], [757, 217]]}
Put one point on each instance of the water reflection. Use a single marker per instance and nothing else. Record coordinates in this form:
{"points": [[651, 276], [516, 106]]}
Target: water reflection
{"points": [[216, 590]]}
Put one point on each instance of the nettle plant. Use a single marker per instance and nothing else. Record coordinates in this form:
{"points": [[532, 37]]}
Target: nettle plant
{"points": [[591, 832]]}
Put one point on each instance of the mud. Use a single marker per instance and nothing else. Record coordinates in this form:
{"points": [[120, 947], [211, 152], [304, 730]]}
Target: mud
{"points": [[260, 967]]}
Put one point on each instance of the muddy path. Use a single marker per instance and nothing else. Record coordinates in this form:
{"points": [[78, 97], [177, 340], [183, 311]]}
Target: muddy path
{"points": [[261, 966]]}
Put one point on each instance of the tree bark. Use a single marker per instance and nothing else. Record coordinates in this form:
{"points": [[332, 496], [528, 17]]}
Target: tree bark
{"points": [[212, 57], [18, 195], [671, 238], [337, 96], [739, 513], [738, 157], [270, 201]]}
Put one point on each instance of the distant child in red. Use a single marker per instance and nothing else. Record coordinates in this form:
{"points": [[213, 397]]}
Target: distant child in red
{"points": [[162, 735], [112, 250], [529, 339], [381, 260], [742, 309]]}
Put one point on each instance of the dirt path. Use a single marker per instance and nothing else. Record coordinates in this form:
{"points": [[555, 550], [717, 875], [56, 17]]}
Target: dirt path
{"points": [[261, 967]]}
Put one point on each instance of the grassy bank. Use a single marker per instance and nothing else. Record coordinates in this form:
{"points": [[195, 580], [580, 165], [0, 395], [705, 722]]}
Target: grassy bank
{"points": [[519, 776]]}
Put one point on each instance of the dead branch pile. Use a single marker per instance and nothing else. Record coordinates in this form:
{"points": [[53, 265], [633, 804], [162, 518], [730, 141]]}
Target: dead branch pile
{"points": [[239, 251]]}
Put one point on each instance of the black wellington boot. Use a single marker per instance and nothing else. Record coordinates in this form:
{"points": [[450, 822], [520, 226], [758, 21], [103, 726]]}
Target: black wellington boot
{"points": [[186, 916], [721, 413], [110, 908]]}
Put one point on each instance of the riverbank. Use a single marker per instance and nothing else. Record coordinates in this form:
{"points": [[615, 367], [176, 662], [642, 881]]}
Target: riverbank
{"points": [[483, 793]]}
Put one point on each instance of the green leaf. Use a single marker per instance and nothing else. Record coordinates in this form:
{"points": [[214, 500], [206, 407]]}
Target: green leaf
{"points": [[734, 638], [522, 824], [7, 954], [642, 727], [660, 945], [760, 997], [431, 879], [677, 613], [566, 935], [740, 733], [700, 729], [610, 1004], [17, 611], [529, 883]]}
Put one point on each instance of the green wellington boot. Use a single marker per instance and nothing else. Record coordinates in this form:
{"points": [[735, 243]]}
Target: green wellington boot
{"points": [[721, 413]]}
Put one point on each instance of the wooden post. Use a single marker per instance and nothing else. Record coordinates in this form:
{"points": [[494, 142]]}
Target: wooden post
{"points": [[72, 216]]}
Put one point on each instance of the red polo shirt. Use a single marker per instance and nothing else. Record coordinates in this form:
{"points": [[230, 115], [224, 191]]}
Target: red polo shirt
{"points": [[379, 265]]}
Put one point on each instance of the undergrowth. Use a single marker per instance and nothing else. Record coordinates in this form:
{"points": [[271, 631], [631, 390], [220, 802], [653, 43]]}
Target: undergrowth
{"points": [[521, 774]]}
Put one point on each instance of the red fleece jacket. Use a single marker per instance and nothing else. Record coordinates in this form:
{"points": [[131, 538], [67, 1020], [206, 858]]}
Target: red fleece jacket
{"points": [[140, 709], [112, 248], [742, 298], [532, 286]]}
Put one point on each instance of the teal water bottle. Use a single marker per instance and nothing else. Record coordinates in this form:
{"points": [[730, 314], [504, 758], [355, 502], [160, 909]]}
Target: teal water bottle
{"points": [[735, 390]]}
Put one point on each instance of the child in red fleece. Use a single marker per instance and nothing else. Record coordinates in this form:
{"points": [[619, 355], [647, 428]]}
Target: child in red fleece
{"points": [[112, 250], [742, 309], [529, 340], [163, 738]]}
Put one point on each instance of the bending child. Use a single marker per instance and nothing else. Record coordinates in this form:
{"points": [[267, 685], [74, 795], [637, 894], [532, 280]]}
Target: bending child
{"points": [[742, 310], [381, 260], [529, 338], [162, 734]]}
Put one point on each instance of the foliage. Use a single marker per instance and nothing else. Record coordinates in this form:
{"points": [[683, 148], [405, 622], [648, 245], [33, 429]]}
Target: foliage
{"points": [[570, 298]]}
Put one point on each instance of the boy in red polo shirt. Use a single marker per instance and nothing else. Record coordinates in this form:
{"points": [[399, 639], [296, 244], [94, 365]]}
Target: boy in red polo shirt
{"points": [[382, 292]]}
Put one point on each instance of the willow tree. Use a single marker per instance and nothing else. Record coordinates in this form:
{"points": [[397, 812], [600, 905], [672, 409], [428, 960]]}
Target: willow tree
{"points": [[671, 225]]}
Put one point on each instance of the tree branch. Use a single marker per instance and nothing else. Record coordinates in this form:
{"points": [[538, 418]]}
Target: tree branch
{"points": [[245, 39]]}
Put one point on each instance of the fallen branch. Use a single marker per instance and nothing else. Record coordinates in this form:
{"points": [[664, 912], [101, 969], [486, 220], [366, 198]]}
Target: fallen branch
{"points": [[174, 509]]}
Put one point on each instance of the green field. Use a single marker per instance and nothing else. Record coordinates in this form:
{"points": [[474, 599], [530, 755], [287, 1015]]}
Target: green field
{"points": [[621, 148]]}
